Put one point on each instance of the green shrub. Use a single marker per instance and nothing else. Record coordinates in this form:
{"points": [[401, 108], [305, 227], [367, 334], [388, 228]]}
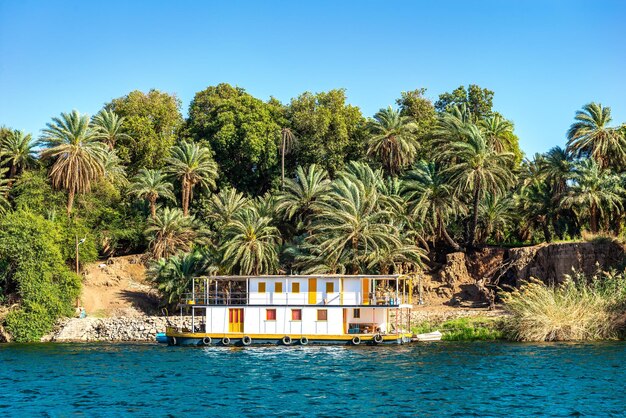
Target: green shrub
{"points": [[464, 329], [33, 272]]}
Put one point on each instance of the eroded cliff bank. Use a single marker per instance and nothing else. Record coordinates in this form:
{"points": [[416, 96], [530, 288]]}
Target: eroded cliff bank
{"points": [[469, 279]]}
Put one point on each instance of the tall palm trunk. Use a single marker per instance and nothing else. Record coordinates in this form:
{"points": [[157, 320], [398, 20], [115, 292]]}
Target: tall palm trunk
{"points": [[474, 225], [153, 200], [594, 219], [70, 200], [282, 175], [447, 236], [185, 197]]}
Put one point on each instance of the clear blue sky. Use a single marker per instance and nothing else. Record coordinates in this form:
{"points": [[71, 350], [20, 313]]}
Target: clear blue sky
{"points": [[543, 59]]}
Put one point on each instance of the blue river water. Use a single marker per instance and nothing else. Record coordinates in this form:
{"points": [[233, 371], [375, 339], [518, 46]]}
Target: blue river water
{"points": [[438, 379]]}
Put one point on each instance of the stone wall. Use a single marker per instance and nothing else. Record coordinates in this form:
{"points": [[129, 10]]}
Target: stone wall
{"points": [[143, 328]]}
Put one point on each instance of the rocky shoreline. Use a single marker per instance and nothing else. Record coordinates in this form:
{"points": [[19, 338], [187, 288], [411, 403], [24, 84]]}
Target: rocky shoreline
{"points": [[144, 328], [112, 329]]}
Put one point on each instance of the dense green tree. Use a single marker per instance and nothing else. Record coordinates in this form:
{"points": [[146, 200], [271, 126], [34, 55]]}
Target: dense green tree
{"points": [[350, 224], [250, 244], [109, 128], [151, 185], [17, 149], [242, 132], [595, 193], [590, 136], [431, 200], [414, 105], [223, 206], [297, 201], [477, 169], [4, 191], [329, 131], [192, 165], [34, 273], [151, 122], [479, 101], [392, 140], [173, 276], [77, 154], [171, 231]]}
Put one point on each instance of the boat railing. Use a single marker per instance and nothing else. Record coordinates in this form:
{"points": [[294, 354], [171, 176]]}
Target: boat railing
{"points": [[275, 298]]}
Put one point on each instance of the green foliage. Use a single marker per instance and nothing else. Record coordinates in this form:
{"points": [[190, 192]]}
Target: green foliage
{"points": [[329, 131], [465, 329], [419, 108], [151, 124], [34, 272], [234, 123], [479, 101]]}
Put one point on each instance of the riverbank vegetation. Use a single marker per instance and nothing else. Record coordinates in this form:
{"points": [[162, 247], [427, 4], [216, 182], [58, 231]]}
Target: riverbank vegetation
{"points": [[247, 186], [465, 329], [581, 308]]}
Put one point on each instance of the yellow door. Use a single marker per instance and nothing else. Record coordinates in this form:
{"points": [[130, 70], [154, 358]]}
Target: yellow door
{"points": [[312, 291], [235, 320], [366, 291]]}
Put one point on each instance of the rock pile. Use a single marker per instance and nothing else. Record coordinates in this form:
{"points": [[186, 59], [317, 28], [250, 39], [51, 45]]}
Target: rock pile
{"points": [[143, 328]]}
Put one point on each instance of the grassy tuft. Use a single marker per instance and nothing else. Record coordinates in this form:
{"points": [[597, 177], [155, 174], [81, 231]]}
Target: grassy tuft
{"points": [[579, 309]]}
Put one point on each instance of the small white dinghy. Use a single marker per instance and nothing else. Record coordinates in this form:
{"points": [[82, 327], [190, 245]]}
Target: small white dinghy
{"points": [[430, 336]]}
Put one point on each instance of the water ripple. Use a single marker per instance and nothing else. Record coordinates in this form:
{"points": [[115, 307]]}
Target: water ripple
{"points": [[446, 379]]}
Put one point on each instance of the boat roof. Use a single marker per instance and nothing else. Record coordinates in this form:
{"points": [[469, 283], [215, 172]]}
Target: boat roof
{"points": [[305, 276]]}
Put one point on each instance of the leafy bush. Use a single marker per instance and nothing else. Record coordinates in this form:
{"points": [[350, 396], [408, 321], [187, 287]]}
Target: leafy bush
{"points": [[579, 309], [34, 274]]}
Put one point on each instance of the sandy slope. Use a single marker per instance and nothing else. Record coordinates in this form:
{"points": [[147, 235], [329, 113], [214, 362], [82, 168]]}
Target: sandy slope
{"points": [[117, 288]]}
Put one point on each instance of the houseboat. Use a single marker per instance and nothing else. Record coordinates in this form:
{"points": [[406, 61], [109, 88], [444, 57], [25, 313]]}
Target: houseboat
{"points": [[293, 310]]}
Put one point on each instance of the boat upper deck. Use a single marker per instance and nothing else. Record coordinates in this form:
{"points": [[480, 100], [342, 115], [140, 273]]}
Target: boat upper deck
{"points": [[299, 290]]}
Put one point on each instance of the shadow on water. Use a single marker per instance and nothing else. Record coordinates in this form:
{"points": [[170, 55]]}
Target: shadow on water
{"points": [[438, 379]]}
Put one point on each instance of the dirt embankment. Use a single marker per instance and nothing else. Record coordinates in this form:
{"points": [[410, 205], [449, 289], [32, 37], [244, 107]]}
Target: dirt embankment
{"points": [[118, 287], [466, 279]]}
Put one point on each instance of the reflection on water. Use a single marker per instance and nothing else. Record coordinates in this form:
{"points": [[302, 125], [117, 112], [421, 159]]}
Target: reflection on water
{"points": [[460, 379]]}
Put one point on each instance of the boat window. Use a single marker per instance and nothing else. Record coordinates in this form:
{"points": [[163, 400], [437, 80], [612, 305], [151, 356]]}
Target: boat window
{"points": [[322, 314], [330, 287], [261, 287], [295, 287], [296, 314], [270, 314], [278, 287], [356, 313]]}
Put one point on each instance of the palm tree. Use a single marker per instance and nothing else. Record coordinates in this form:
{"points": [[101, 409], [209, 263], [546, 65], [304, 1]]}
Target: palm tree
{"points": [[251, 243], [173, 275], [350, 224], [114, 171], [591, 136], [300, 194], [4, 191], [478, 169], [499, 132], [556, 167], [192, 165], [286, 144], [109, 127], [595, 192], [151, 185], [171, 231], [497, 216], [537, 207], [78, 155], [431, 200], [224, 205], [18, 150], [393, 140]]}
